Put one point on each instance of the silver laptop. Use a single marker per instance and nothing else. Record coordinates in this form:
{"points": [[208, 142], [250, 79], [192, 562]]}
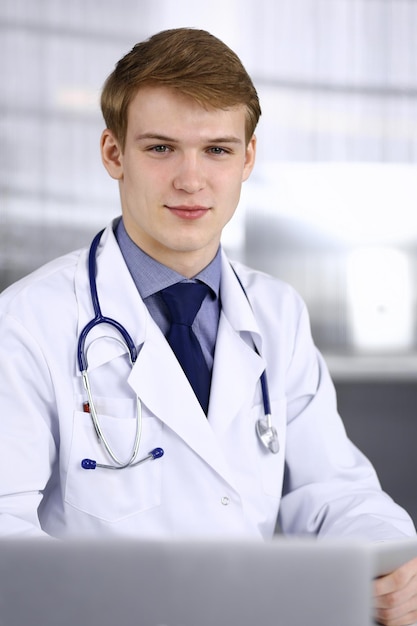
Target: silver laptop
{"points": [[387, 556], [285, 582]]}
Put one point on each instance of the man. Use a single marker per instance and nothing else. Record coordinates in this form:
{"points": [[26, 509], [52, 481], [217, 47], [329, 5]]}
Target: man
{"points": [[180, 113]]}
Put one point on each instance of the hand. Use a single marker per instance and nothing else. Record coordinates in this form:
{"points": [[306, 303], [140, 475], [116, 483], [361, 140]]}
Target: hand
{"points": [[395, 596]]}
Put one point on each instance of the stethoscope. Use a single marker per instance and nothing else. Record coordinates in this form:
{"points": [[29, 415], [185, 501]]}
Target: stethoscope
{"points": [[265, 430]]}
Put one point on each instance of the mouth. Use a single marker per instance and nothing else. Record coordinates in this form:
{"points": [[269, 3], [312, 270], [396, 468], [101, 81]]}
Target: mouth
{"points": [[188, 212]]}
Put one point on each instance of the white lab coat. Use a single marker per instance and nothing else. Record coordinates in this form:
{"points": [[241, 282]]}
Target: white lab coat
{"points": [[215, 479]]}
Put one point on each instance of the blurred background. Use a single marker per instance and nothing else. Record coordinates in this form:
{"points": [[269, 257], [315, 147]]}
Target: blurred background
{"points": [[330, 208]]}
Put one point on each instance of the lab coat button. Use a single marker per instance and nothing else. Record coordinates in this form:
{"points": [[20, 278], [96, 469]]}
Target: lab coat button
{"points": [[225, 500]]}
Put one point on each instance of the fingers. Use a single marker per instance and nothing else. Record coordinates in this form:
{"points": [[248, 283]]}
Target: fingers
{"points": [[395, 596], [405, 615]]}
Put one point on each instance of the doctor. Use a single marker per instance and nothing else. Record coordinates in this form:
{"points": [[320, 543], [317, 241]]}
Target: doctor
{"points": [[180, 113]]}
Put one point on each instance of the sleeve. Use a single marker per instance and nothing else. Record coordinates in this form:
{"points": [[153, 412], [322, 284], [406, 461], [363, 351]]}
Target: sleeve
{"points": [[330, 487], [27, 443]]}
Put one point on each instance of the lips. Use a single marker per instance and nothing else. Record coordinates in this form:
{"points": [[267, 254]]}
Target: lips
{"points": [[188, 212]]}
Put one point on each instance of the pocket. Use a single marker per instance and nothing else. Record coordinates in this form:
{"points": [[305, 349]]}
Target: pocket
{"points": [[113, 495]]}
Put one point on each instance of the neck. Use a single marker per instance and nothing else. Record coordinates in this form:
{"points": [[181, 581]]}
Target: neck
{"points": [[186, 264]]}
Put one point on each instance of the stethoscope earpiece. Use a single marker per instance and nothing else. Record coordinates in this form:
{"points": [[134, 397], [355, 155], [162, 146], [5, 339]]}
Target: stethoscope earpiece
{"points": [[90, 464]]}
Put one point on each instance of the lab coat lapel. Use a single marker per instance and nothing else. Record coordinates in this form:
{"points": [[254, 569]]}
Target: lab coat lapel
{"points": [[164, 390], [237, 366], [157, 378]]}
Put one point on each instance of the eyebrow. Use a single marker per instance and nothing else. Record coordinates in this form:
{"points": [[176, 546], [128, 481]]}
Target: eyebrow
{"points": [[165, 138]]}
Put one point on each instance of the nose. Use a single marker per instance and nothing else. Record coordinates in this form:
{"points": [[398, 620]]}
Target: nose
{"points": [[189, 175]]}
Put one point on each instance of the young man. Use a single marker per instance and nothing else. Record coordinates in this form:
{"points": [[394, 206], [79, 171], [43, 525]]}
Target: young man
{"points": [[180, 113]]}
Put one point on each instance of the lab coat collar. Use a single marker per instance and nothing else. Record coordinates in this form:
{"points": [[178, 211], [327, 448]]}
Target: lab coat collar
{"points": [[236, 303], [118, 298], [237, 362]]}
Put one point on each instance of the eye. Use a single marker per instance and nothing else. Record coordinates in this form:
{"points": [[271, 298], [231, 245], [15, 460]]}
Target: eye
{"points": [[160, 149], [217, 150]]}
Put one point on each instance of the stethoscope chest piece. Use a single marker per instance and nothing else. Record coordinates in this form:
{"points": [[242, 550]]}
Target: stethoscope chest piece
{"points": [[267, 434]]}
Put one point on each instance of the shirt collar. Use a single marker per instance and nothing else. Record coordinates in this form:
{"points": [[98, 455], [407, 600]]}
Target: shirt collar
{"points": [[150, 276]]}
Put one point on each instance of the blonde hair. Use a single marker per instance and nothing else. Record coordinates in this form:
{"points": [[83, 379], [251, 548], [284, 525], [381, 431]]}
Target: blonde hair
{"points": [[193, 61]]}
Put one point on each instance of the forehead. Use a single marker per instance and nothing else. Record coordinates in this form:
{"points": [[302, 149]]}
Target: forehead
{"points": [[162, 107]]}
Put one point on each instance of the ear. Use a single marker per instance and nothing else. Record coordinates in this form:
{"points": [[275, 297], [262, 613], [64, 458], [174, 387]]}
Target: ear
{"points": [[111, 154], [249, 158]]}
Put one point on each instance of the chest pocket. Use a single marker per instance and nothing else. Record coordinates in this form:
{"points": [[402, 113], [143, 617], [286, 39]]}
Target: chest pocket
{"points": [[113, 495]]}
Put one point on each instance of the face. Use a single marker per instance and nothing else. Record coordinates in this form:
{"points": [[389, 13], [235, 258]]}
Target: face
{"points": [[180, 175]]}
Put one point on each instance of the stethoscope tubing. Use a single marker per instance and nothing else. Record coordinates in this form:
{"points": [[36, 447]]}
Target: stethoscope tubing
{"points": [[99, 318]]}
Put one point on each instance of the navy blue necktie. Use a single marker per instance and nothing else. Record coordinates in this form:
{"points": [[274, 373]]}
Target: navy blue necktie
{"points": [[184, 301]]}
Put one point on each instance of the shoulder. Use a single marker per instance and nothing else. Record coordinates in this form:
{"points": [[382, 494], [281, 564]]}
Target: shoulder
{"points": [[262, 287], [279, 310], [46, 287]]}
